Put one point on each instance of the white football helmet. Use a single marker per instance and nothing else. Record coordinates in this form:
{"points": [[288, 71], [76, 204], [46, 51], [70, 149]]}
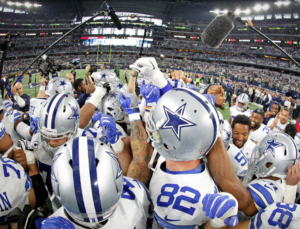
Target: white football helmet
{"points": [[274, 155], [59, 118], [104, 76], [88, 183], [244, 99], [183, 125], [110, 105], [226, 133], [59, 85]]}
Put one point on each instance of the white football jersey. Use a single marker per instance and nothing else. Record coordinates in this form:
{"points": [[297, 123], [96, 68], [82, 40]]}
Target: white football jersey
{"points": [[35, 107], [265, 192], [14, 187], [177, 196], [238, 160], [277, 216], [234, 112], [279, 127], [132, 209], [260, 133], [248, 148], [9, 119]]}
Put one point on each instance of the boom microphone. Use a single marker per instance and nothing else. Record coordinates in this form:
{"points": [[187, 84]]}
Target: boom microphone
{"points": [[217, 30], [112, 13]]}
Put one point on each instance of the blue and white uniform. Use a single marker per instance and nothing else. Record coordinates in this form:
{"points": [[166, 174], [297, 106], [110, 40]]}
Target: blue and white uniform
{"points": [[9, 119], [260, 133], [234, 112], [297, 141], [132, 209], [277, 216], [35, 107], [238, 160], [14, 187], [177, 196], [265, 192]]}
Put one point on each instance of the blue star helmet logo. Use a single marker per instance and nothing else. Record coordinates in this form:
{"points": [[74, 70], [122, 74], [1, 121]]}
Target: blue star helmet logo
{"points": [[114, 156], [62, 83], [75, 113], [227, 136], [103, 75], [176, 121], [271, 145], [120, 85], [113, 95]]}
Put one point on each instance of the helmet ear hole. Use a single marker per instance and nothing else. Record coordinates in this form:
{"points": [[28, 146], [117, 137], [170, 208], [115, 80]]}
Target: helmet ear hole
{"points": [[64, 110], [166, 146], [268, 164], [97, 161], [285, 152], [71, 163]]}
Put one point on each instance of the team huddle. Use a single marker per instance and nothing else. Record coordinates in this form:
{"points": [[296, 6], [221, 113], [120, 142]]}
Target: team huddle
{"points": [[162, 158]]}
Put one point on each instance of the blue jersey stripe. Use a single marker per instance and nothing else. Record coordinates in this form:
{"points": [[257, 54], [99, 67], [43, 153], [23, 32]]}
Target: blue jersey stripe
{"points": [[257, 199], [258, 219], [55, 111], [48, 109], [264, 192], [208, 110], [2, 132], [76, 178], [176, 83], [93, 176]]}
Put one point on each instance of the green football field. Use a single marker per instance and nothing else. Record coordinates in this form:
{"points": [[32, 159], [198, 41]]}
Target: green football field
{"points": [[81, 74]]}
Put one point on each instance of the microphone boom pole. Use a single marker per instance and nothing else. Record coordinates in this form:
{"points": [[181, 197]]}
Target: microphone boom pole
{"points": [[250, 25]]}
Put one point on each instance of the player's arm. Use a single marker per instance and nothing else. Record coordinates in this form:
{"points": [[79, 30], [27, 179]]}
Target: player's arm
{"points": [[230, 120], [88, 109], [275, 122], [138, 168], [125, 156], [131, 83], [41, 93], [141, 154], [223, 174]]}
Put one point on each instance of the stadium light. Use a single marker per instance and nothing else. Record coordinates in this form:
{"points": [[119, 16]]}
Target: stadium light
{"points": [[237, 12], [257, 7], [266, 6], [19, 4], [247, 11], [27, 4], [279, 3], [10, 3], [36, 5]]}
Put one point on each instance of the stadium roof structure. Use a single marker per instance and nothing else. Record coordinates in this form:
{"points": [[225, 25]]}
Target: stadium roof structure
{"points": [[162, 9]]}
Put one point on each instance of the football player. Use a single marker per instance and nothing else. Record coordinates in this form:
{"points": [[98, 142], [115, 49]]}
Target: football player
{"points": [[241, 107], [258, 129]]}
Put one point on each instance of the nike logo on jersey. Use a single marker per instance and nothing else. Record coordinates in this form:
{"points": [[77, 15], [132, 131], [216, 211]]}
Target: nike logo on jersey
{"points": [[166, 218]]}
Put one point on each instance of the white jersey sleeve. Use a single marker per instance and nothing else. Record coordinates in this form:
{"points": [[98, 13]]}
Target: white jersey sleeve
{"points": [[238, 160], [14, 187], [9, 119], [265, 192], [277, 216], [132, 209], [260, 133], [35, 107]]}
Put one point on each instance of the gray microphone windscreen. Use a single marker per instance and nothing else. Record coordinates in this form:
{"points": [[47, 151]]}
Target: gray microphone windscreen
{"points": [[217, 30]]}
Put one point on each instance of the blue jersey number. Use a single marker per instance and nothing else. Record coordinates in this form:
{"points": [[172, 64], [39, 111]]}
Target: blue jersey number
{"points": [[9, 164], [9, 113], [266, 129], [280, 217], [169, 190], [127, 193], [241, 158]]}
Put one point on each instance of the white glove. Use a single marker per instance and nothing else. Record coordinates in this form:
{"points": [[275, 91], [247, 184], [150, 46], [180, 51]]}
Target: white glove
{"points": [[148, 70], [221, 208]]}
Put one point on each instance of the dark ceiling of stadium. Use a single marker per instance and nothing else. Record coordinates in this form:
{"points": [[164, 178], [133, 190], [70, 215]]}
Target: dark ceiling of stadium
{"points": [[165, 9]]}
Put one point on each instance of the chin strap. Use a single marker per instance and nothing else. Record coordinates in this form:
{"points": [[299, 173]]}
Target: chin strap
{"points": [[150, 165]]}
